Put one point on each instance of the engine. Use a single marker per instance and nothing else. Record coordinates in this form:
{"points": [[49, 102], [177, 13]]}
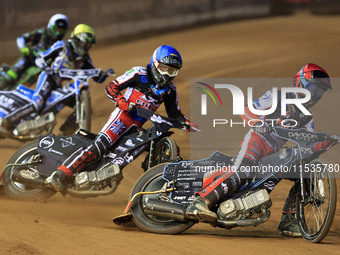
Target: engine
{"points": [[37, 125], [245, 206]]}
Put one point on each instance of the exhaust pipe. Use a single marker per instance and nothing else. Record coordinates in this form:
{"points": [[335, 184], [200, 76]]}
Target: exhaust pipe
{"points": [[29, 178], [165, 209]]}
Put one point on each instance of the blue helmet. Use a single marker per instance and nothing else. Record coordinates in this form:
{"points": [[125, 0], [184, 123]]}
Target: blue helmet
{"points": [[165, 64]]}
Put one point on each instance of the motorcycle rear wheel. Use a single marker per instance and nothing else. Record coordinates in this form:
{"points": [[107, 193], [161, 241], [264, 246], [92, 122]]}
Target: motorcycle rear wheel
{"points": [[19, 191], [151, 181], [85, 110], [316, 214]]}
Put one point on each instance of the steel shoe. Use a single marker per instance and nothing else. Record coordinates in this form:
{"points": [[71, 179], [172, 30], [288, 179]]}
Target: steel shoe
{"points": [[288, 225]]}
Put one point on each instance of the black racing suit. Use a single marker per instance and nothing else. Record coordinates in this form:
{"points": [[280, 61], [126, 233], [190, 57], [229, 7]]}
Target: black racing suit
{"points": [[37, 42]]}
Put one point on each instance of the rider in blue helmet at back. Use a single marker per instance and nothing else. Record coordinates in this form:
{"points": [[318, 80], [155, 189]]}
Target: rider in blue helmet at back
{"points": [[147, 87]]}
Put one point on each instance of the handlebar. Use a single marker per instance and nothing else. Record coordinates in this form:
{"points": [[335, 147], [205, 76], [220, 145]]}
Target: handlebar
{"points": [[156, 118], [335, 138], [186, 125]]}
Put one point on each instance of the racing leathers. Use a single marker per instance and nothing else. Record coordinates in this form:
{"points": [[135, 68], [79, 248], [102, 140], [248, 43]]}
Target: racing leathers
{"points": [[30, 45], [255, 146], [60, 55], [142, 91]]}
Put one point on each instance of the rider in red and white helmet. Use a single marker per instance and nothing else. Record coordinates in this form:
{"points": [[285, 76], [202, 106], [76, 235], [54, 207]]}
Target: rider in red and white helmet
{"points": [[315, 79], [259, 142]]}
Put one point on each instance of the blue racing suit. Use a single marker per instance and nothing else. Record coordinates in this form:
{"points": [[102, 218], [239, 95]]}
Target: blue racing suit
{"points": [[60, 55]]}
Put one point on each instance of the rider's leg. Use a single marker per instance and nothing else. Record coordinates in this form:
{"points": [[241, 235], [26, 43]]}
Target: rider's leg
{"points": [[13, 74], [77, 161], [118, 123], [252, 149], [288, 223]]}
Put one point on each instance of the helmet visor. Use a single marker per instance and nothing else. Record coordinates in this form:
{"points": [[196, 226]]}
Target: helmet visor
{"points": [[316, 94], [166, 70], [58, 31], [315, 90], [84, 45]]}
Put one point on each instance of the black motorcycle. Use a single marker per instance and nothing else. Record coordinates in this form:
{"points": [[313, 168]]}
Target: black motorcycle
{"points": [[160, 197], [24, 177]]}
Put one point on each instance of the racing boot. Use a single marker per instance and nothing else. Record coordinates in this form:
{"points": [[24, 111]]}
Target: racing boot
{"points": [[56, 180], [288, 225], [6, 127], [199, 210]]}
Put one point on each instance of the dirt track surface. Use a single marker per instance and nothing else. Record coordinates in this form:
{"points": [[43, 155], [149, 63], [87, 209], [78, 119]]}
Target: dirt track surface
{"points": [[269, 47]]}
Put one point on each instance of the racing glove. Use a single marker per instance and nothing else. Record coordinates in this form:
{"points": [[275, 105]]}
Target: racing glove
{"points": [[25, 51], [191, 126], [40, 62], [122, 104]]}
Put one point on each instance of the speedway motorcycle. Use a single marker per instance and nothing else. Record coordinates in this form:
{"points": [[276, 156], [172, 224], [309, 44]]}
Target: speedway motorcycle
{"points": [[160, 197], [74, 94], [24, 177]]}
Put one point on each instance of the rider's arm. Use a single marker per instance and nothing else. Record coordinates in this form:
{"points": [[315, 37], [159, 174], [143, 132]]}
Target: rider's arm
{"points": [[263, 103], [113, 88], [171, 105], [29, 39], [54, 50], [128, 79], [87, 64]]}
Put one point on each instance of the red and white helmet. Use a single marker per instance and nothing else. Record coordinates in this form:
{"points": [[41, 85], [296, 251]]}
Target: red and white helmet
{"points": [[315, 79]]}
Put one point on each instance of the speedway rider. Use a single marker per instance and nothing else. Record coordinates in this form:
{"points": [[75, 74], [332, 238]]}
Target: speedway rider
{"points": [[72, 54], [32, 44], [259, 142], [146, 87]]}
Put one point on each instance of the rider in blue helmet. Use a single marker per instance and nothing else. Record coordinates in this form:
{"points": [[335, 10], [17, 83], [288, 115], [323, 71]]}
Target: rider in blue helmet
{"points": [[147, 87], [165, 64]]}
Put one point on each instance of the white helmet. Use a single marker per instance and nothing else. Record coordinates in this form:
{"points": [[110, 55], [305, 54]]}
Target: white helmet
{"points": [[57, 26]]}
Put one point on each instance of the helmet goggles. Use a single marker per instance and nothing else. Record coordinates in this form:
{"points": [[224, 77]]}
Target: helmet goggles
{"points": [[316, 90], [58, 30], [166, 69]]}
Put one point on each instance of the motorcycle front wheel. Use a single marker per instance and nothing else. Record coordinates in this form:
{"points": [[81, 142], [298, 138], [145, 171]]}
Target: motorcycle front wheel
{"points": [[316, 213], [166, 150], [19, 191], [84, 121], [151, 181]]}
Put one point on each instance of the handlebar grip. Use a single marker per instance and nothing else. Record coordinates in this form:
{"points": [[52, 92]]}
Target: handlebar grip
{"points": [[186, 125]]}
